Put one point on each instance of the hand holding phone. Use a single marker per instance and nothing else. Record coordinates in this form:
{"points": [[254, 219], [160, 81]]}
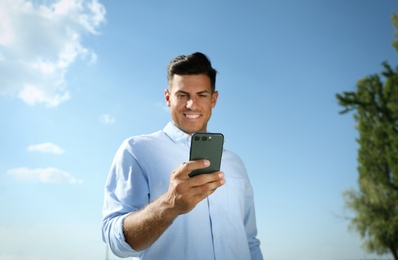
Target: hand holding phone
{"points": [[206, 146]]}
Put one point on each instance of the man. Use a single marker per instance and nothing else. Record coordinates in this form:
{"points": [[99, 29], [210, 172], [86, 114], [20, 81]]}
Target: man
{"points": [[154, 210]]}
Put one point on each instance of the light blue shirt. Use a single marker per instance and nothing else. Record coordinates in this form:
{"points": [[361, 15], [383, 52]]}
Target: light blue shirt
{"points": [[221, 227]]}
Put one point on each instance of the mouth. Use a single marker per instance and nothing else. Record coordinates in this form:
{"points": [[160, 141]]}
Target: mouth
{"points": [[191, 116]]}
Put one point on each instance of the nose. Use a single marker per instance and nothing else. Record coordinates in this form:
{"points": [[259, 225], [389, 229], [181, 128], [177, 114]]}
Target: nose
{"points": [[191, 104]]}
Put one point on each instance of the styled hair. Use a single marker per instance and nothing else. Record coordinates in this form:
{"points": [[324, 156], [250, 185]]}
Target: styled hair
{"points": [[193, 64]]}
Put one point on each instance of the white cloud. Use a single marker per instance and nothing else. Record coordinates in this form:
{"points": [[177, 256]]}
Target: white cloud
{"points": [[46, 148], [38, 44], [44, 175], [107, 119]]}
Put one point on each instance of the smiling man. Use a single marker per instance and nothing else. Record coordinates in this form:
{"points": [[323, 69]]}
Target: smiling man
{"points": [[191, 100], [154, 210]]}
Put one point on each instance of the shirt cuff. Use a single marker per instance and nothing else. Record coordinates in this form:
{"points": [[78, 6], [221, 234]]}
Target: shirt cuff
{"points": [[119, 246]]}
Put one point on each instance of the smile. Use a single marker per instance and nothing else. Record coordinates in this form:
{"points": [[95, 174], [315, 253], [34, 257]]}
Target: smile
{"points": [[192, 116]]}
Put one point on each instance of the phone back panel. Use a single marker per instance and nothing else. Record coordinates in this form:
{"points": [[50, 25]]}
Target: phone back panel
{"points": [[207, 146]]}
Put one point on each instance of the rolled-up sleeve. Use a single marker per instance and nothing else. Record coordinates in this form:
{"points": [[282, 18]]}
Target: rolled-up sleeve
{"points": [[125, 192]]}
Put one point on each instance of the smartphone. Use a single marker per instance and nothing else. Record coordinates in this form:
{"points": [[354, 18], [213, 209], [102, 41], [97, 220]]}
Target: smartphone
{"points": [[206, 146]]}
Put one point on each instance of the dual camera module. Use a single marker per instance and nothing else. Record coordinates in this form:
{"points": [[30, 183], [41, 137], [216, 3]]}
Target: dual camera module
{"points": [[204, 138]]}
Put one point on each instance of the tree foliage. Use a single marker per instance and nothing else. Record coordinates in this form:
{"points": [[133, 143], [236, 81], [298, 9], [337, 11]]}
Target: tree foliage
{"points": [[394, 20], [375, 103]]}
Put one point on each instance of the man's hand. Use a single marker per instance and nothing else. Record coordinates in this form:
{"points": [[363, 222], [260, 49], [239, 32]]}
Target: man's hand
{"points": [[144, 227], [186, 192]]}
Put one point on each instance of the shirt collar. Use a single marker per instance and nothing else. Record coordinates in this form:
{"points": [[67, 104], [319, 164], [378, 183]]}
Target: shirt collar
{"points": [[175, 134]]}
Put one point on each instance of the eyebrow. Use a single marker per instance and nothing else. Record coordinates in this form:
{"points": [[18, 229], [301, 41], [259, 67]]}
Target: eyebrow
{"points": [[181, 92], [198, 93], [203, 92]]}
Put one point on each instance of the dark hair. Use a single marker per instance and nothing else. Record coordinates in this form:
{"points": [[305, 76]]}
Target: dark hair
{"points": [[196, 63]]}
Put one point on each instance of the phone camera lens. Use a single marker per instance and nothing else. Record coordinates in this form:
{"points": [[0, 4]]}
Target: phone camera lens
{"points": [[197, 138], [204, 138]]}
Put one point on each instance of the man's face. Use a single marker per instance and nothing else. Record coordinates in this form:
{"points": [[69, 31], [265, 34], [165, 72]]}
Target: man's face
{"points": [[191, 101]]}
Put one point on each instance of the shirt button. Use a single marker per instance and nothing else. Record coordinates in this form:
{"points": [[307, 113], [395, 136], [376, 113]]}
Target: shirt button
{"points": [[216, 237]]}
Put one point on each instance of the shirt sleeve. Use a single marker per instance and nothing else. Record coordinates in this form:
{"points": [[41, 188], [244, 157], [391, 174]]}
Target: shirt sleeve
{"points": [[251, 230], [126, 191], [250, 218]]}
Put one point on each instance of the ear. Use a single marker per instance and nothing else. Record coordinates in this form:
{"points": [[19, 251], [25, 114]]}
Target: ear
{"points": [[167, 97], [214, 98]]}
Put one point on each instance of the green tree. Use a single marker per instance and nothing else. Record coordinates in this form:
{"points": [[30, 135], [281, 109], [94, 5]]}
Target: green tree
{"points": [[394, 20], [375, 106]]}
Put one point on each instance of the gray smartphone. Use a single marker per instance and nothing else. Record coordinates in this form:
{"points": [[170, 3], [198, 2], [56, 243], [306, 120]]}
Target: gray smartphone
{"points": [[207, 146]]}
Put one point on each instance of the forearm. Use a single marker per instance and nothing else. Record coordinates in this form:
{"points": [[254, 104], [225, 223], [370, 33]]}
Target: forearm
{"points": [[142, 228]]}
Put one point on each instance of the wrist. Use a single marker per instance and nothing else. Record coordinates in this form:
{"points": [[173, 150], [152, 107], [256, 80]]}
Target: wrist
{"points": [[167, 209]]}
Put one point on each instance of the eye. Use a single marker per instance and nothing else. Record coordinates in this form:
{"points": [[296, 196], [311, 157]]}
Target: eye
{"points": [[181, 95]]}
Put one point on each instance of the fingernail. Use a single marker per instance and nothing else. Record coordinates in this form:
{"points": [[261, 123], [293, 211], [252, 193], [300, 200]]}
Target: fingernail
{"points": [[207, 162]]}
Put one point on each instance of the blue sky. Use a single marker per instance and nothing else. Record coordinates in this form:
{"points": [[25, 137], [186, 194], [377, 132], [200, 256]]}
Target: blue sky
{"points": [[77, 77]]}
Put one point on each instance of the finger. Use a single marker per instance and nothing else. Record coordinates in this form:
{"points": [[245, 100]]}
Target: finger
{"points": [[187, 167], [203, 191], [201, 184], [201, 179]]}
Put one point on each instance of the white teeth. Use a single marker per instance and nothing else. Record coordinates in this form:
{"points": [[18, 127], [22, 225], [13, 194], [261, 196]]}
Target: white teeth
{"points": [[192, 116]]}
